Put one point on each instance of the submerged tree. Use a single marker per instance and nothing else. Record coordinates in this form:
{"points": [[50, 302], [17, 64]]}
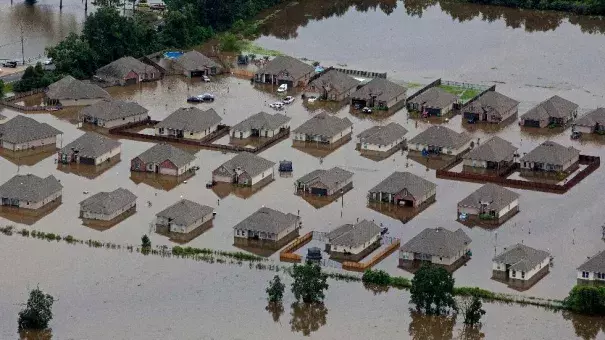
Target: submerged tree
{"points": [[276, 289], [145, 243], [309, 283], [432, 290], [37, 312], [472, 309], [586, 300]]}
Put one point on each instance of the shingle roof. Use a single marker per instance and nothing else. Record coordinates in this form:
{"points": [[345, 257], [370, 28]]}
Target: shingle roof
{"points": [[491, 196], [521, 257], [107, 203], [21, 129], [495, 149], [398, 181], [261, 120], [296, 68], [435, 97], [383, 89], [267, 220], [91, 145], [2, 117], [595, 264], [250, 163], [71, 88], [119, 69], [161, 152], [382, 135], [441, 136], [325, 125], [554, 106], [491, 102], [30, 188], [194, 60], [185, 212], [437, 242], [109, 109], [592, 118], [353, 235], [550, 152], [190, 119], [335, 80], [330, 178]]}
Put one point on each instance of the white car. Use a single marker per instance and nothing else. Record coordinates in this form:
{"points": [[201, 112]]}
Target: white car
{"points": [[282, 88], [48, 61], [205, 79], [288, 100], [311, 99], [277, 105]]}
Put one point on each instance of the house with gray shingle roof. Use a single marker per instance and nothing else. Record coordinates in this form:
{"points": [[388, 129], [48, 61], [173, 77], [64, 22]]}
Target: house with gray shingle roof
{"points": [[285, 70], [592, 122], [496, 153], [195, 64], [261, 124], [126, 71], [30, 191], [332, 85], [550, 156], [189, 123], [245, 169], [521, 265], [353, 242], [109, 113], [434, 101], [593, 270], [438, 246], [163, 159], [325, 182], [324, 128], [91, 148], [107, 206], [380, 93], [72, 92], [268, 227], [440, 140], [491, 107], [184, 216], [555, 111], [490, 202], [404, 188], [382, 138], [24, 133]]}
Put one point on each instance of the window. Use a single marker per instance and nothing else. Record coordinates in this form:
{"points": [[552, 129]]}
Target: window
{"points": [[513, 273], [522, 275], [190, 133], [585, 275]]}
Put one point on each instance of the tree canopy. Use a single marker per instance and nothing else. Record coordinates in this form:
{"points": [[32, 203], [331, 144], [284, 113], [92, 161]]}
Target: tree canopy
{"points": [[35, 77], [37, 312], [275, 291], [586, 300], [309, 283], [472, 309], [432, 290]]}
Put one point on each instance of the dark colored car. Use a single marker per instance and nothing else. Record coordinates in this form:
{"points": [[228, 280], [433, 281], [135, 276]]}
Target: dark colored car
{"points": [[11, 64]]}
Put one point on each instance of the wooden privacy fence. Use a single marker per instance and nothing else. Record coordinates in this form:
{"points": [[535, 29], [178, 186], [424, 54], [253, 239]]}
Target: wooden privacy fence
{"points": [[363, 266], [288, 255]]}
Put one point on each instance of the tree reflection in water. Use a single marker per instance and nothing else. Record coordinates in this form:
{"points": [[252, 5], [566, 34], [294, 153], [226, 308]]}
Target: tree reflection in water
{"points": [[276, 309], [308, 317], [471, 333], [429, 327], [586, 327], [46, 334], [376, 289]]}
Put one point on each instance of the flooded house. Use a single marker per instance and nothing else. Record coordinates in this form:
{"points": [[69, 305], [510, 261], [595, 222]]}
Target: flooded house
{"points": [[555, 111], [127, 71], [72, 92], [24, 133], [381, 94], [520, 266], [261, 124], [110, 113], [332, 85], [382, 139], [285, 70], [491, 107], [108, 206], [195, 64], [439, 139], [592, 122], [184, 216], [593, 270], [267, 228], [551, 157], [404, 188], [189, 123], [490, 203], [435, 101], [91, 149], [495, 154], [353, 242], [245, 169], [324, 129], [30, 191], [163, 159], [325, 182], [438, 246]]}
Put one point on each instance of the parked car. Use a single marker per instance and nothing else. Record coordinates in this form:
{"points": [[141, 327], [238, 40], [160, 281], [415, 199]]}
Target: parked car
{"points": [[206, 97], [357, 106], [205, 79], [576, 135], [311, 99], [48, 61], [282, 88], [210, 184], [11, 64], [288, 100], [277, 105], [366, 110]]}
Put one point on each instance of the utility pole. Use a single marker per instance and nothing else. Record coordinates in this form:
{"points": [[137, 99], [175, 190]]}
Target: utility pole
{"points": [[60, 5], [85, 7], [22, 47]]}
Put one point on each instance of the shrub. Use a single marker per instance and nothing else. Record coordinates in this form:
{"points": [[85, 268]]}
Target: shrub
{"points": [[377, 277], [586, 300]]}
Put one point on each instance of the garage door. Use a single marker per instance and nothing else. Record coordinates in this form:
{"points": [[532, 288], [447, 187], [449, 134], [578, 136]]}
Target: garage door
{"points": [[197, 73], [361, 103], [319, 191], [287, 82], [89, 161], [131, 81]]}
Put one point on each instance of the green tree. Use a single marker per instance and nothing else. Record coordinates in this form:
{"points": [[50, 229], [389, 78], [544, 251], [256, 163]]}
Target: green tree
{"points": [[472, 309], [230, 43], [37, 312], [2, 89], [309, 283], [377, 277], [586, 300], [276, 288], [145, 243], [432, 290], [74, 56]]}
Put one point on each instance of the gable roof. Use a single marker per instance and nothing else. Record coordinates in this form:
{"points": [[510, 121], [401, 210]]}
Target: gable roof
{"points": [[495, 149], [91, 145], [521, 257], [109, 109], [335, 80], [261, 120], [107, 203], [353, 235], [330, 178], [325, 125], [437, 242], [190, 119], [296, 68], [441, 136], [194, 60], [382, 135], [554, 106], [119, 69], [267, 220], [434, 97], [491, 196], [161, 152], [383, 89], [71, 88], [595, 264], [592, 118], [550, 152], [252, 164], [30, 188], [185, 212], [397, 181], [491, 102], [22, 129]]}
